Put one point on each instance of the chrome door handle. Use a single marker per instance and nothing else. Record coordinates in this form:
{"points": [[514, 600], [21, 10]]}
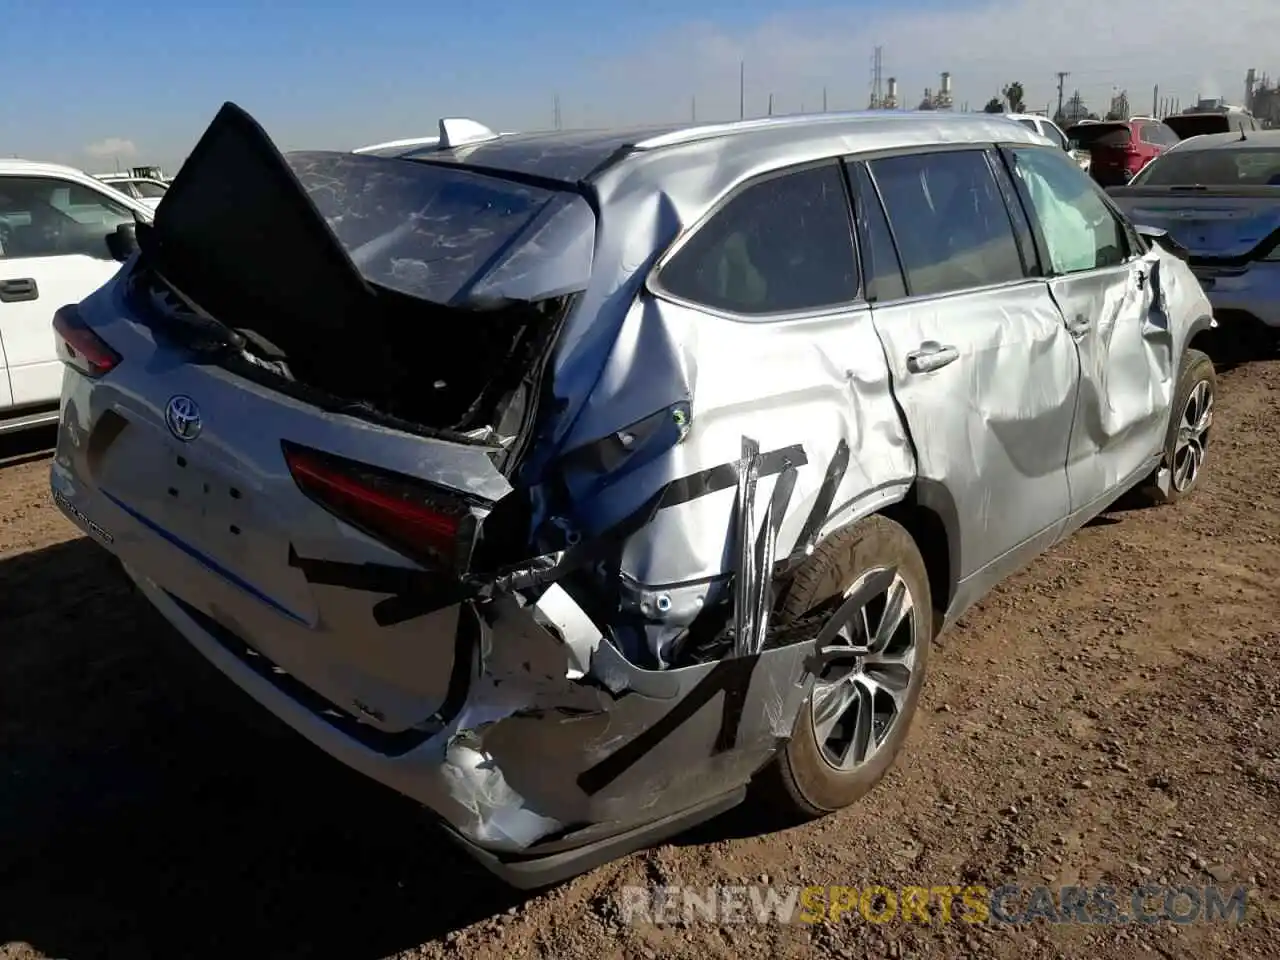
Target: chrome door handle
{"points": [[931, 356]]}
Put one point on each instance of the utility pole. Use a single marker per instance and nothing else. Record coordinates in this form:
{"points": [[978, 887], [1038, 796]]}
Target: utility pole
{"points": [[1155, 101], [557, 111], [693, 109], [770, 105], [742, 89], [824, 99], [1062, 76]]}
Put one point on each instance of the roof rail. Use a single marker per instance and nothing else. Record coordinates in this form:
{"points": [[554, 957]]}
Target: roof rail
{"points": [[407, 142], [693, 134], [459, 131]]}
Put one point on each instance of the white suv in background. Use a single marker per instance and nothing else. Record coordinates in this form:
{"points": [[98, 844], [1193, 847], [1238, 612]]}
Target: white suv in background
{"points": [[147, 191], [63, 234], [1047, 128]]}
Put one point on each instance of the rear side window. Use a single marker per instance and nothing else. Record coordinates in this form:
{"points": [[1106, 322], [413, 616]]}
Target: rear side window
{"points": [[1029, 124], [1158, 134], [950, 221], [782, 245]]}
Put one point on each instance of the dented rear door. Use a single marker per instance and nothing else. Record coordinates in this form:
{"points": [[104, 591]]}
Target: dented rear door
{"points": [[1108, 291]]}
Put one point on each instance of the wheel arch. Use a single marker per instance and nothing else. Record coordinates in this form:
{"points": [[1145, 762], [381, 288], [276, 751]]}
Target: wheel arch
{"points": [[927, 513]]}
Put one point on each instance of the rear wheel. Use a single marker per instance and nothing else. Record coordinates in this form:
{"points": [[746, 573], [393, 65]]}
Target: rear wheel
{"points": [[849, 732], [1186, 447]]}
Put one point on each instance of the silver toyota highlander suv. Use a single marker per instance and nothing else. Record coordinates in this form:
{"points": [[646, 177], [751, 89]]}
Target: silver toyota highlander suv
{"points": [[569, 483]]}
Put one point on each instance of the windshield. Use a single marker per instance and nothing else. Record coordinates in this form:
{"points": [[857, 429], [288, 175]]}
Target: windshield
{"points": [[1195, 124], [1217, 167], [149, 190]]}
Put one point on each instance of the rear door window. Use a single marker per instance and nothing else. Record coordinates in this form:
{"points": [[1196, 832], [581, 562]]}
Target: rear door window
{"points": [[1079, 229], [950, 221], [880, 264], [782, 245]]}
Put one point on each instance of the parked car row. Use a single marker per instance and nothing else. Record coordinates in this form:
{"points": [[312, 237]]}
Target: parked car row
{"points": [[571, 513]]}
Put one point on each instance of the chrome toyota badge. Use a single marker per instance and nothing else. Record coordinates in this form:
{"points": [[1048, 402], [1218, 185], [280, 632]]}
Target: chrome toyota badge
{"points": [[182, 416]]}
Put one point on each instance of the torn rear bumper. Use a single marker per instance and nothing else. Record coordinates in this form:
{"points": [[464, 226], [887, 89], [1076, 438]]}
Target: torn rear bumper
{"points": [[549, 769]]}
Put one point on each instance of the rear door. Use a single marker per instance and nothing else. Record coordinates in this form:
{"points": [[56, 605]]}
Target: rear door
{"points": [[982, 366], [1106, 288], [55, 253]]}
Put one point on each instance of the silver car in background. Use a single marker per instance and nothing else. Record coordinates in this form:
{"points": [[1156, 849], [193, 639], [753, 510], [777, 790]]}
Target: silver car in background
{"points": [[569, 483], [1218, 196]]}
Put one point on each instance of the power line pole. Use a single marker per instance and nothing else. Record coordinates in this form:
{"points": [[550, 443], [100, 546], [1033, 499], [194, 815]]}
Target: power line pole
{"points": [[1062, 76], [693, 109], [742, 89], [824, 99], [1155, 101], [557, 111], [770, 105]]}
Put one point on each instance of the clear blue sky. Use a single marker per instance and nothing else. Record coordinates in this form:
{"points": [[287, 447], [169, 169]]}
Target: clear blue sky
{"points": [[314, 73], [81, 81]]}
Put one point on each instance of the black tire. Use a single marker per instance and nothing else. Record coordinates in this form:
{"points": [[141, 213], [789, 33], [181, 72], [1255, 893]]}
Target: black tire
{"points": [[1196, 368], [799, 783]]}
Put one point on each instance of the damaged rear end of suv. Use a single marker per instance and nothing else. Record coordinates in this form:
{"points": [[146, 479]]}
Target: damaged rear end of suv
{"points": [[409, 449]]}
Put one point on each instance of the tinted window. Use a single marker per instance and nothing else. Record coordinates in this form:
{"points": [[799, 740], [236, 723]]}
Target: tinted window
{"points": [[879, 257], [951, 224], [149, 190], [1094, 136], [1080, 230], [1021, 225], [784, 244], [1029, 124], [1215, 167], [42, 218]]}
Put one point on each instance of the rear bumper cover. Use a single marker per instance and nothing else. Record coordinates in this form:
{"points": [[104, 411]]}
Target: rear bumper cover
{"points": [[1254, 290]]}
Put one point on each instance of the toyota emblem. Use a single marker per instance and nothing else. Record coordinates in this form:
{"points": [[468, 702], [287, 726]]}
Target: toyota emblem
{"points": [[182, 416]]}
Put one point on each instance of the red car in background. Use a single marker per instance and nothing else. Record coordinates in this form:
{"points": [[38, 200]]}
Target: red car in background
{"points": [[1118, 149]]}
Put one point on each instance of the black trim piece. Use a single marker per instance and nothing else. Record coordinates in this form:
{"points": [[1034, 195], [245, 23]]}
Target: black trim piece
{"points": [[821, 510], [723, 477], [731, 676], [417, 593], [380, 741]]}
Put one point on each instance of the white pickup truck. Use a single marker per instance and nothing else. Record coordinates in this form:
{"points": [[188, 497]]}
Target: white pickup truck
{"points": [[63, 234]]}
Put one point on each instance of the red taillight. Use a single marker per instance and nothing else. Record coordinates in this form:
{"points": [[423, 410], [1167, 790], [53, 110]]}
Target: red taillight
{"points": [[409, 515], [79, 347]]}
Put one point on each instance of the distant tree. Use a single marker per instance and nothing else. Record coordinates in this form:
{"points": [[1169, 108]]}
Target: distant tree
{"points": [[1114, 115], [1013, 95], [993, 106]]}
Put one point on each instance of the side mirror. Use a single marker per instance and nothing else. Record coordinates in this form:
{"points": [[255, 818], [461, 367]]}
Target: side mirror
{"points": [[123, 242]]}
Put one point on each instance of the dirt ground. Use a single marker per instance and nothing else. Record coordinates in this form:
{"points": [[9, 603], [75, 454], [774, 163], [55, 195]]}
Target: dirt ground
{"points": [[1108, 716]]}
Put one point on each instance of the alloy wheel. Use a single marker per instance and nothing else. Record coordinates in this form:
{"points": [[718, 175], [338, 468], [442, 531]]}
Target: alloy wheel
{"points": [[862, 693], [1193, 436]]}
